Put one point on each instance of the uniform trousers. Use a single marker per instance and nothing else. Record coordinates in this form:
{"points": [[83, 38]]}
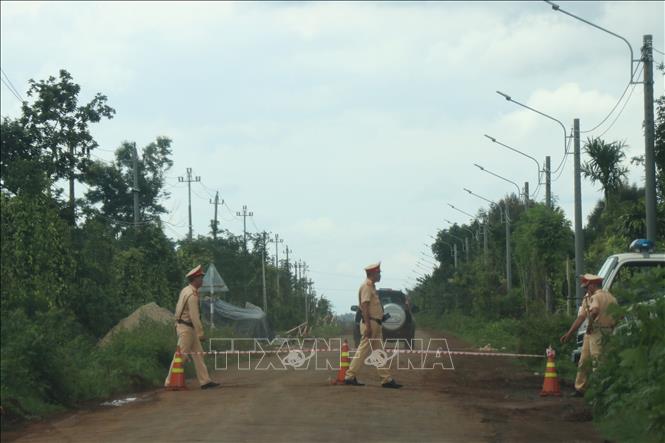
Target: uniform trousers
{"points": [[591, 351], [375, 341], [189, 342]]}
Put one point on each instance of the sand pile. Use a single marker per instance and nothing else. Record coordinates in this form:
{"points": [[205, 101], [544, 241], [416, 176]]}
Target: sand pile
{"points": [[152, 311]]}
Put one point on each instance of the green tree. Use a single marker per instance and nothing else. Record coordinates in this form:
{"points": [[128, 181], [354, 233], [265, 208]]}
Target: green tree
{"points": [[543, 239], [604, 165], [57, 129], [111, 186]]}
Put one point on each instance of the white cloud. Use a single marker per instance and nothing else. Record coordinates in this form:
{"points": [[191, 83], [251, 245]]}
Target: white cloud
{"points": [[346, 127]]}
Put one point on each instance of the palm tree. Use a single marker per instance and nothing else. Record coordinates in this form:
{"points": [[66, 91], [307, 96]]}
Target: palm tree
{"points": [[604, 165]]}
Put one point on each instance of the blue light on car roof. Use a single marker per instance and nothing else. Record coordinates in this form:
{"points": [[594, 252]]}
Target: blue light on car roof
{"points": [[642, 245]]}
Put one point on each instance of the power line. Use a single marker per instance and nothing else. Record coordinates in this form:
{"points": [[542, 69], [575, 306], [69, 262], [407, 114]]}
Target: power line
{"points": [[620, 112], [11, 86], [613, 108], [561, 167], [611, 111], [11, 90]]}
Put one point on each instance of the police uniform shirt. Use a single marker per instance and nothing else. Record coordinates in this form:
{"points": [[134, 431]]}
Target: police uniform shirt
{"points": [[367, 293], [187, 308], [601, 300]]}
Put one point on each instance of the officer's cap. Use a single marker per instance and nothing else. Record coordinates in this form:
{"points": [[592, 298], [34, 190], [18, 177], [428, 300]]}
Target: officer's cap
{"points": [[195, 272], [375, 267], [589, 278]]}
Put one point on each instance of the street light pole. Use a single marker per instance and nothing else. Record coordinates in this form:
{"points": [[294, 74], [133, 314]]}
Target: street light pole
{"points": [[445, 243], [579, 235], [547, 183], [579, 242], [519, 191], [509, 274], [649, 128], [649, 136]]}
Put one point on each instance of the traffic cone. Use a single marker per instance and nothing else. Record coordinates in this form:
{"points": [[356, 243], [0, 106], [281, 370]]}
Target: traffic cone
{"points": [[177, 381], [344, 362], [551, 383]]}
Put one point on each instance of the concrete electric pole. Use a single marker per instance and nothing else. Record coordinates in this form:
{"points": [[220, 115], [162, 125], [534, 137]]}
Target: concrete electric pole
{"points": [[214, 222], [135, 189], [189, 181], [244, 215], [649, 135], [579, 235]]}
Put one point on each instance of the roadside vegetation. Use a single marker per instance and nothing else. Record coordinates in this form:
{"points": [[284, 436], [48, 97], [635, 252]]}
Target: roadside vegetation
{"points": [[71, 268], [474, 301]]}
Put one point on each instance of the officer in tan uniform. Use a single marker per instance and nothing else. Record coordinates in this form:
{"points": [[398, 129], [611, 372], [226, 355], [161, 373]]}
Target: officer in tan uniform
{"points": [[370, 329], [190, 329], [594, 309]]}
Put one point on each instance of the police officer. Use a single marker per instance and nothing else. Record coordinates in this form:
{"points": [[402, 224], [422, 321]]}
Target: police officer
{"points": [[594, 309], [190, 329], [370, 329]]}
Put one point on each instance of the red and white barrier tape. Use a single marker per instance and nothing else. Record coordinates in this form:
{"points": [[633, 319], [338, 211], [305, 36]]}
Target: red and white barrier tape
{"points": [[405, 351]]}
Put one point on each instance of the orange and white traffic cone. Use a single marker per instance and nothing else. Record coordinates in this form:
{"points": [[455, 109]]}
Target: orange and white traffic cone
{"points": [[344, 362], [551, 383], [177, 381]]}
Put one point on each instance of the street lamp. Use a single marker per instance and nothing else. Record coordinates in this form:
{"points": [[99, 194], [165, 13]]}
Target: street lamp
{"points": [[476, 235], [565, 134], [579, 240], [548, 201], [466, 250], [473, 234], [509, 274], [649, 126], [442, 241], [632, 60], [519, 191]]}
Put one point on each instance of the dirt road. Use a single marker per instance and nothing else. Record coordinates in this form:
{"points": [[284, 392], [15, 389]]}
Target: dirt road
{"points": [[483, 400]]}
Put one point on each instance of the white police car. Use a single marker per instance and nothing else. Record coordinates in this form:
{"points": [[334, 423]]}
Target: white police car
{"points": [[635, 276]]}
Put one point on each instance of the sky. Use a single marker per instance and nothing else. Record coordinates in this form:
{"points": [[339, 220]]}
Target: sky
{"points": [[345, 127]]}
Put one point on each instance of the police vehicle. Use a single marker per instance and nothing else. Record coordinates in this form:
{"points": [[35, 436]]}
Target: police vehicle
{"points": [[636, 276], [399, 323]]}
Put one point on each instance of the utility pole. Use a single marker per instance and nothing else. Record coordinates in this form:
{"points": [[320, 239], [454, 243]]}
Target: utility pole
{"points": [[287, 251], [455, 253], [509, 269], [263, 274], [214, 222], [579, 239], [304, 275], [135, 190], [244, 215], [526, 195], [649, 134], [485, 247], [288, 269], [189, 181], [277, 242], [72, 199], [548, 183]]}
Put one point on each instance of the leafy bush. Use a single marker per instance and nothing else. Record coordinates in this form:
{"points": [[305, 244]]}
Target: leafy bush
{"points": [[48, 363], [627, 391]]}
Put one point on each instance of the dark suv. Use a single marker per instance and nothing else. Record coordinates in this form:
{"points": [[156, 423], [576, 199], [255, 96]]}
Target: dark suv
{"points": [[401, 324]]}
